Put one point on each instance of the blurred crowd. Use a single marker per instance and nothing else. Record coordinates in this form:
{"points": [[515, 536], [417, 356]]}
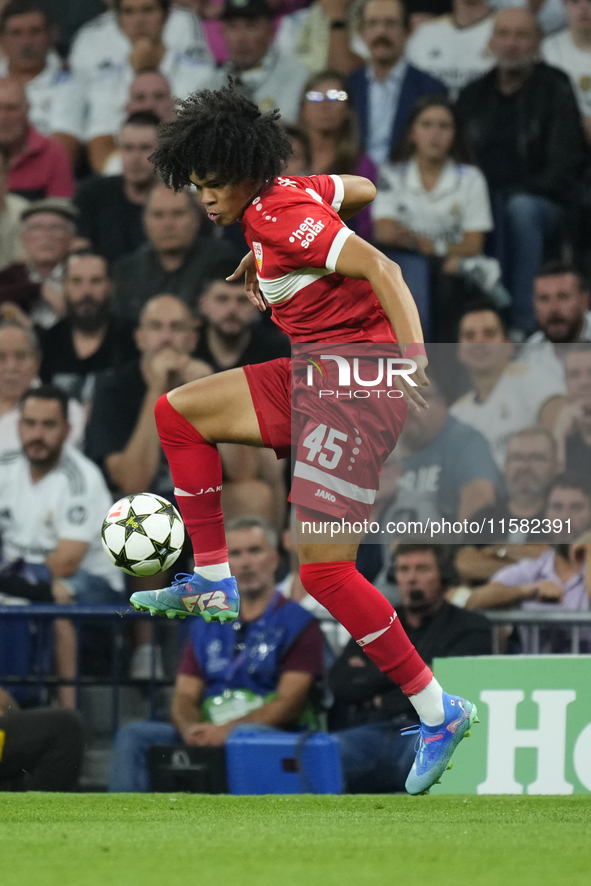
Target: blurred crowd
{"points": [[473, 119]]}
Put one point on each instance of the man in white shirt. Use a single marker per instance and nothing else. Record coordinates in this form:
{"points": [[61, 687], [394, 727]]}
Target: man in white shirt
{"points": [[52, 503], [271, 78], [561, 305], [570, 50], [454, 48], [26, 44], [507, 396]]}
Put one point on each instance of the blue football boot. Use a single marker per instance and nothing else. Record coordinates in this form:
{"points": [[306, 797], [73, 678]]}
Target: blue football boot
{"points": [[436, 744], [191, 594]]}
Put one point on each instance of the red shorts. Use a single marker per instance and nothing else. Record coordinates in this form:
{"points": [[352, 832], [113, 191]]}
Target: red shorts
{"points": [[339, 444]]}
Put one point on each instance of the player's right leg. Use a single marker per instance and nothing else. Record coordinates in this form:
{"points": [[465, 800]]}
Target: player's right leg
{"points": [[191, 420]]}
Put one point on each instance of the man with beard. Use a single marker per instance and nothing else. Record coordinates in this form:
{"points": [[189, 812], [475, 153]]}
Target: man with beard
{"points": [[52, 504], [561, 306], [370, 716], [232, 337], [90, 338], [572, 428], [260, 669], [385, 90], [530, 466]]}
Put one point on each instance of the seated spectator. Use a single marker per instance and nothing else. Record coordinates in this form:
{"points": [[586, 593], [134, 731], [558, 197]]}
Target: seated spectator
{"points": [[20, 357], [107, 89], [530, 466], [177, 257], [270, 77], [39, 166], [569, 501], [454, 48], [523, 123], [300, 161], [90, 338], [322, 34], [506, 395], [11, 208], [26, 38], [570, 50], [369, 712], [552, 582], [274, 651], [107, 40], [48, 232], [111, 208], [386, 89], [42, 749], [328, 119], [561, 306], [572, 428], [431, 202], [149, 91], [52, 504], [447, 467]]}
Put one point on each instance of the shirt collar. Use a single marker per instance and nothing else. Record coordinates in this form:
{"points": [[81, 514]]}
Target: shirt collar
{"points": [[395, 75], [448, 180]]}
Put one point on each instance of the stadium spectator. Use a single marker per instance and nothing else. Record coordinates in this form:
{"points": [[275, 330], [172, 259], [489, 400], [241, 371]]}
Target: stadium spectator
{"points": [[275, 651], [523, 123], [329, 120], [561, 306], [111, 209], [322, 35], [178, 256], [41, 749], [270, 77], [107, 40], [570, 50], [48, 233], [231, 335], [39, 166], [572, 428], [52, 504], [433, 208], [554, 581], [26, 38], [506, 395], [107, 90], [20, 357], [447, 469], [454, 49], [69, 16], [569, 498], [530, 466], [90, 338], [385, 90], [369, 713], [300, 161], [11, 208]]}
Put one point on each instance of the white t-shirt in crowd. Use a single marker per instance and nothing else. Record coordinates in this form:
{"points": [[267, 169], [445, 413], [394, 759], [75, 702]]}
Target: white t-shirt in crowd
{"points": [[560, 51], [48, 96], [101, 43], [10, 440], [458, 203], [108, 91], [454, 55], [68, 503], [541, 354], [513, 404]]}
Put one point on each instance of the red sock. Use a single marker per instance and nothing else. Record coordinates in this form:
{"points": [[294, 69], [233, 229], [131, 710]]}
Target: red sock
{"points": [[196, 470], [370, 619]]}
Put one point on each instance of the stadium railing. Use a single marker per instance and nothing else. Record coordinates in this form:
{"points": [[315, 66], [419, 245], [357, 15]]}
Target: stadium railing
{"points": [[536, 629]]}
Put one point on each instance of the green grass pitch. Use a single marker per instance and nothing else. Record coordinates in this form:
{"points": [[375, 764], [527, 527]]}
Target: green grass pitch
{"points": [[159, 840]]}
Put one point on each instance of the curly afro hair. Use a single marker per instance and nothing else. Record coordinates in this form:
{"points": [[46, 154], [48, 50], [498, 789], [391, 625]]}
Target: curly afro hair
{"points": [[221, 135]]}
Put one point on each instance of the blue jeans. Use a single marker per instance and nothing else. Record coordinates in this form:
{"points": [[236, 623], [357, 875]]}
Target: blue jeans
{"points": [[129, 765], [91, 590], [417, 276], [376, 758], [526, 224]]}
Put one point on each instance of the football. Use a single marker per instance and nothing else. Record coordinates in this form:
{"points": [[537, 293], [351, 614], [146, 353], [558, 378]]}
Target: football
{"points": [[143, 534]]}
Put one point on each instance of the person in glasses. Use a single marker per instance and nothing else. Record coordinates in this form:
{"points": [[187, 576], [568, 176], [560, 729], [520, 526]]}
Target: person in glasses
{"points": [[330, 123]]}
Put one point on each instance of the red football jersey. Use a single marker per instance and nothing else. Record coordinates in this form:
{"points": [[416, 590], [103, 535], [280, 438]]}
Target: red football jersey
{"points": [[296, 236]]}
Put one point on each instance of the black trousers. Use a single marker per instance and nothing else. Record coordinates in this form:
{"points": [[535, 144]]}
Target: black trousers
{"points": [[41, 750]]}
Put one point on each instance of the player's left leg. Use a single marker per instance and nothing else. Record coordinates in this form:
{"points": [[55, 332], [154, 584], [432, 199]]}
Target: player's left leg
{"points": [[329, 574]]}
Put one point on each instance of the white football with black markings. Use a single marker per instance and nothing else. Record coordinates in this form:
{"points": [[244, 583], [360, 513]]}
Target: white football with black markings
{"points": [[143, 534]]}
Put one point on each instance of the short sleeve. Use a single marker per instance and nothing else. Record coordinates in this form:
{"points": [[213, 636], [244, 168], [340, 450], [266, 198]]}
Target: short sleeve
{"points": [[189, 665], [306, 653], [329, 187], [477, 212], [301, 235], [81, 513]]}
